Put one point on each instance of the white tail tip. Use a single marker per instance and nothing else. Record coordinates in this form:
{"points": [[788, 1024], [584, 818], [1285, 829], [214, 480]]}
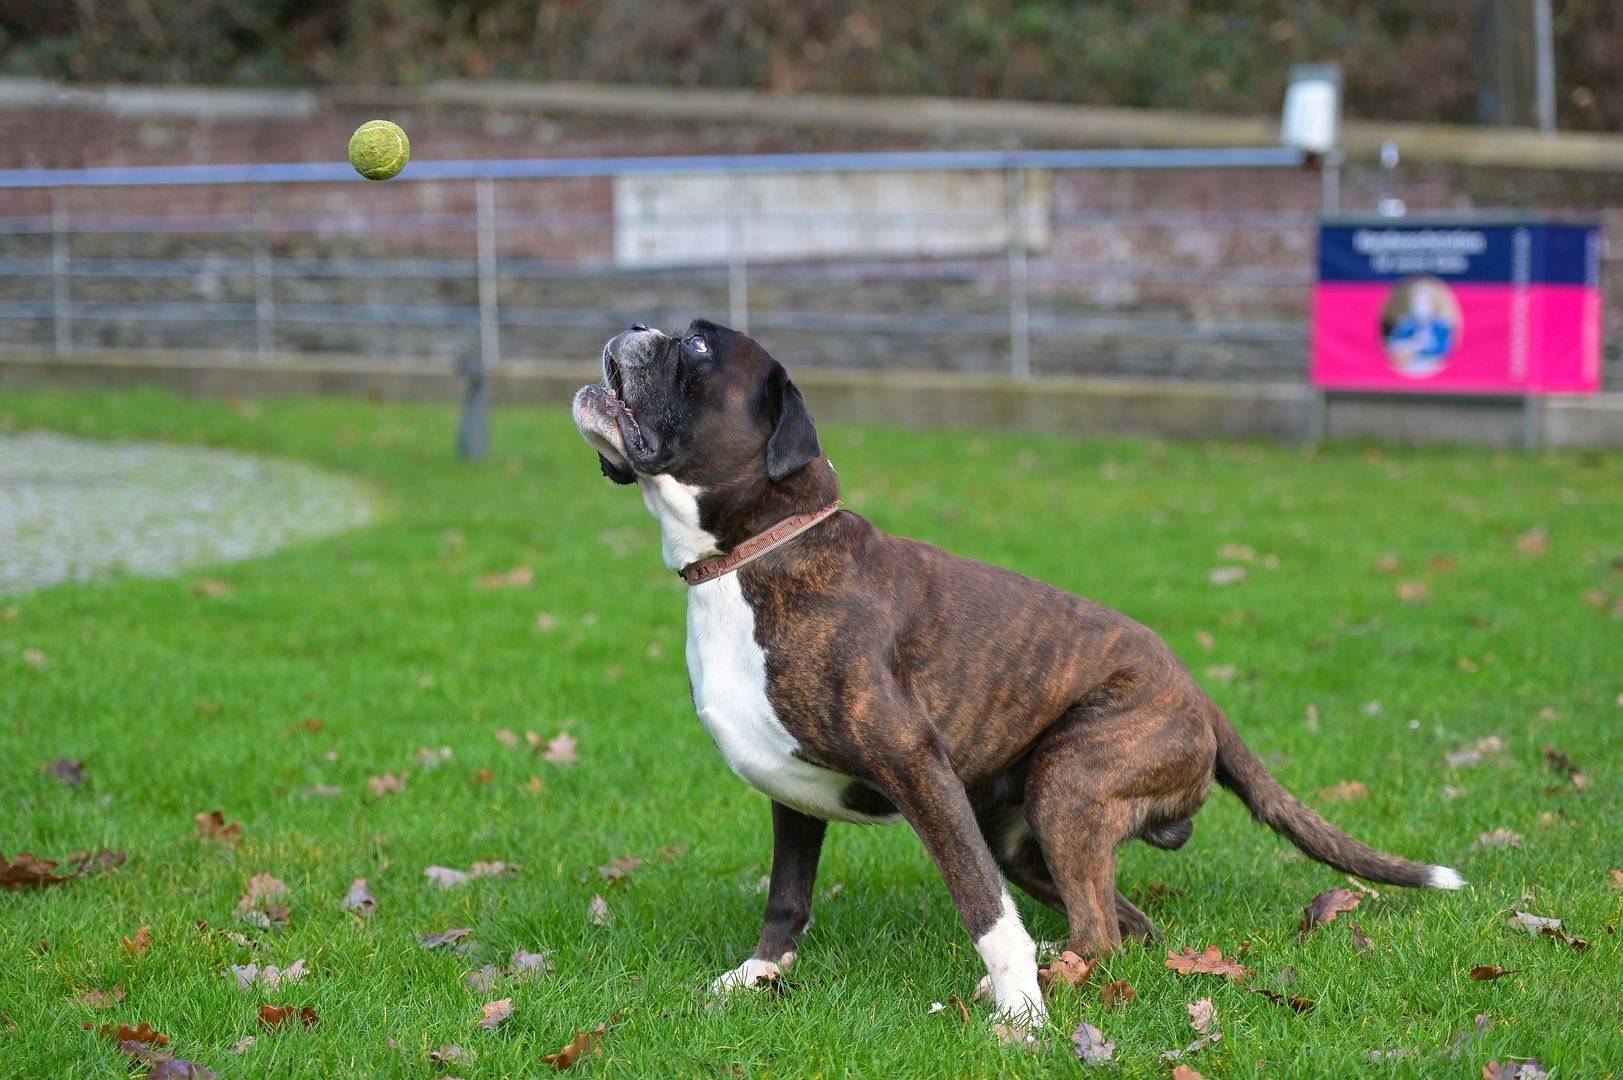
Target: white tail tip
{"points": [[1441, 877]]}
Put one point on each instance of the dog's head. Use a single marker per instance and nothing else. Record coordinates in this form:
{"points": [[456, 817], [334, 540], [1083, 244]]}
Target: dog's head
{"points": [[710, 412]]}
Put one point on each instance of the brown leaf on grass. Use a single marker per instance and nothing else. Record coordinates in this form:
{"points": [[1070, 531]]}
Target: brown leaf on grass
{"points": [[507, 737], [1117, 995], [1326, 906], [358, 900], [1488, 973], [449, 1054], [492, 868], [434, 941], [382, 785], [561, 749], [1534, 924], [34, 658], [484, 980], [1499, 838], [1202, 1015], [444, 877], [143, 941], [598, 911], [482, 777], [100, 861], [1577, 944], [1414, 592], [272, 1017], [619, 869], [97, 998], [169, 1068], [1295, 1004], [583, 1045], [1184, 1072], [1617, 879], [1388, 563], [1210, 962], [1066, 971], [269, 977], [1091, 1048], [212, 826], [27, 872], [65, 771], [265, 902], [142, 1034], [520, 577], [1533, 542], [1512, 1070], [497, 1013], [241, 1046], [1360, 942], [1346, 791]]}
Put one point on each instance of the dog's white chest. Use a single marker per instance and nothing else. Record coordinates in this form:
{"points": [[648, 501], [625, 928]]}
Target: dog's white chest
{"points": [[728, 671]]}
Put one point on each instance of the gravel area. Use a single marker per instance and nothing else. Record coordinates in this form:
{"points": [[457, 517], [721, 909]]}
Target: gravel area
{"points": [[79, 510]]}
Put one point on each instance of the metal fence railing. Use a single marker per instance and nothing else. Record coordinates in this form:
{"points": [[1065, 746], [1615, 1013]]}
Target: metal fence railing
{"points": [[289, 249]]}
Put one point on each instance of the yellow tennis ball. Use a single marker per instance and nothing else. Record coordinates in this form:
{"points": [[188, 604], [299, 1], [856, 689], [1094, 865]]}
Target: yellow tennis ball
{"points": [[379, 150]]}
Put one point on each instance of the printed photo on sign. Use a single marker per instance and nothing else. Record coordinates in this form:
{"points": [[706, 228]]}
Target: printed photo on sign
{"points": [[1420, 326]]}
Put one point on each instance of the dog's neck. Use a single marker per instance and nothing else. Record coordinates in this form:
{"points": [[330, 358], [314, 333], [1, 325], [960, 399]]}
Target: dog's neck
{"points": [[676, 506]]}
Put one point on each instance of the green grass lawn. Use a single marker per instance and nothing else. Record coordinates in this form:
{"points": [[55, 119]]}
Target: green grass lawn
{"points": [[182, 700]]}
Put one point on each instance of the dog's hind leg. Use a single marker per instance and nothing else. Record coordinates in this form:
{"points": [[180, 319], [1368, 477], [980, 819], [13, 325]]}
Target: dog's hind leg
{"points": [[797, 842], [1134, 923]]}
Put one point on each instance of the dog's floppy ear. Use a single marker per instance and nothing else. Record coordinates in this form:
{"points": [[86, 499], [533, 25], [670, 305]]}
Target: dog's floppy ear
{"points": [[619, 474], [793, 445]]}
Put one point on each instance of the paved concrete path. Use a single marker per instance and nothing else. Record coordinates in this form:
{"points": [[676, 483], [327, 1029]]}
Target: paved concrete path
{"points": [[78, 510]]}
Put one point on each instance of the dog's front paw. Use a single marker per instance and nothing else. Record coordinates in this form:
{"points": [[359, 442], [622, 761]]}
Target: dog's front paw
{"points": [[1021, 1013], [752, 974]]}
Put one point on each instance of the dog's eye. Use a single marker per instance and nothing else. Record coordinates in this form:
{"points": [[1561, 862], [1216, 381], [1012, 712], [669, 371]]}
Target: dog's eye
{"points": [[697, 344]]}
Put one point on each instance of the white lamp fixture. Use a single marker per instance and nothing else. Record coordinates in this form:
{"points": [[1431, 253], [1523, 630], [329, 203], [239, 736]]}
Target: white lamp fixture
{"points": [[1312, 117]]}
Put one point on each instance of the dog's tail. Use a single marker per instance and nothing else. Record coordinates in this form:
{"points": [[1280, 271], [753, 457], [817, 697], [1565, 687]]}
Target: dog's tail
{"points": [[1239, 770]]}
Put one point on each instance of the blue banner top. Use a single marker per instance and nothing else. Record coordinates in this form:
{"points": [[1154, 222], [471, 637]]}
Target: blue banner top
{"points": [[1530, 254]]}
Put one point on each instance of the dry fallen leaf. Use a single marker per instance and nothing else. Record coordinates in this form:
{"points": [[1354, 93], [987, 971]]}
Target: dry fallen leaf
{"points": [[88, 863], [28, 872], [141, 1035], [212, 826], [1067, 971], [1324, 908], [168, 1068], [272, 1017], [584, 1044], [484, 980], [428, 759], [358, 900], [483, 776], [497, 1013], [493, 868], [533, 785], [449, 1054], [1210, 962], [1360, 942], [1488, 973], [1345, 791], [1414, 592], [598, 911], [445, 877], [270, 977], [619, 869], [1499, 838], [382, 785], [1533, 542], [65, 770], [1296, 1004], [1202, 1015], [1184, 1072], [143, 941], [561, 749], [265, 902], [1617, 879], [1117, 995], [1091, 1048], [1226, 575], [507, 737], [97, 998], [434, 941], [242, 1045]]}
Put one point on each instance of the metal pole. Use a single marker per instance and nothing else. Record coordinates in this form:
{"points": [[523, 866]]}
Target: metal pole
{"points": [[1544, 62], [60, 268], [738, 286], [1019, 313], [473, 434], [264, 293], [1332, 181]]}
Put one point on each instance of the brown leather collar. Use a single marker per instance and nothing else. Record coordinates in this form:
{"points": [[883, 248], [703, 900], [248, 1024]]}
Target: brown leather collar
{"points": [[717, 565]]}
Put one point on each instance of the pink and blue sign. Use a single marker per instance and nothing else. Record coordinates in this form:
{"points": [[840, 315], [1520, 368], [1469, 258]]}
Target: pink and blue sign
{"points": [[1458, 308]]}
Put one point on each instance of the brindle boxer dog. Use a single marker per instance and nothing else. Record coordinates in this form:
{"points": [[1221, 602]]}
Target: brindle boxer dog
{"points": [[1023, 732]]}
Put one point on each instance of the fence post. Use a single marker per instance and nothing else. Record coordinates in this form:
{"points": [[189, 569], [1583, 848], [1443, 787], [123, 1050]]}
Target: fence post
{"points": [[738, 289], [60, 269], [1019, 314], [264, 277], [473, 433]]}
